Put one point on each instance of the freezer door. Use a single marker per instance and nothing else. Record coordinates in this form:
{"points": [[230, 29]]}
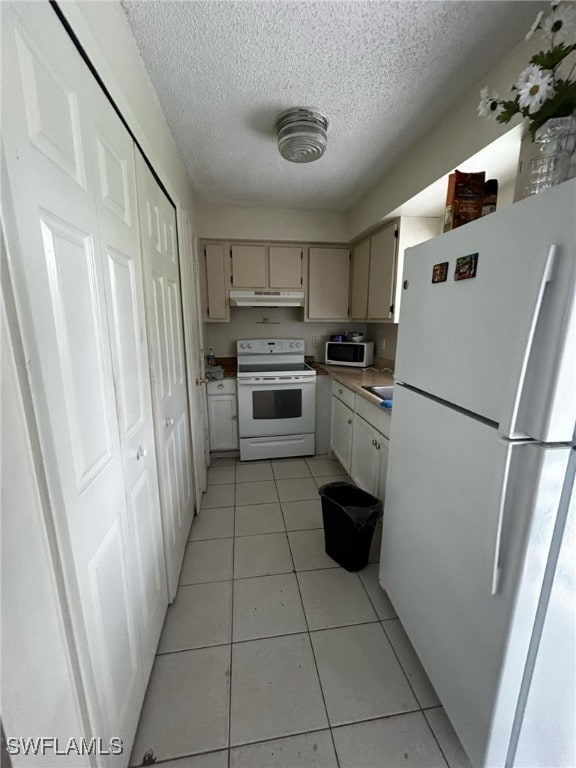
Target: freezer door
{"points": [[467, 518], [501, 344]]}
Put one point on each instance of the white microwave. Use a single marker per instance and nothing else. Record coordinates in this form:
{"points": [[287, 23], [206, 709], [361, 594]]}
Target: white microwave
{"points": [[359, 355]]}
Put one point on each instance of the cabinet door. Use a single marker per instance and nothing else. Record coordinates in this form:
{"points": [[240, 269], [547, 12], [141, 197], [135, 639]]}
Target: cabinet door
{"points": [[223, 421], [383, 451], [341, 432], [216, 282], [249, 266], [328, 283], [365, 469], [360, 273], [381, 280], [285, 266]]}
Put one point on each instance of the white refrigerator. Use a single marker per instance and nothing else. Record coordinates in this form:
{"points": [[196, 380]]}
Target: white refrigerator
{"points": [[478, 538]]}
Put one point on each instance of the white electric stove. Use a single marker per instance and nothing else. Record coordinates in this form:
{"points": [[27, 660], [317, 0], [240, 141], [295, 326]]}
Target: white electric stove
{"points": [[276, 399]]}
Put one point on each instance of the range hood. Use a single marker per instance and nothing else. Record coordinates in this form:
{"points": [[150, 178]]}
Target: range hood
{"points": [[266, 298]]}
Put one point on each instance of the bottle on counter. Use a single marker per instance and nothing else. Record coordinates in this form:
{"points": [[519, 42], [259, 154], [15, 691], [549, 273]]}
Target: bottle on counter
{"points": [[211, 357], [490, 197]]}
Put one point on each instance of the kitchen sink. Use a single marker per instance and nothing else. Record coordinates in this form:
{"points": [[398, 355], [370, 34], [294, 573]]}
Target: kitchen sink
{"points": [[384, 393]]}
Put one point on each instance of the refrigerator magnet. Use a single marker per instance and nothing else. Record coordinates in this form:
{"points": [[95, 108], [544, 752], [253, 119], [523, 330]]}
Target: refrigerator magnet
{"points": [[466, 267], [440, 272]]}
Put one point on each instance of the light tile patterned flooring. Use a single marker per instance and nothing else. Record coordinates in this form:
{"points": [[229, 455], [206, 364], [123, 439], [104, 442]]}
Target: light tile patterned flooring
{"points": [[272, 656]]}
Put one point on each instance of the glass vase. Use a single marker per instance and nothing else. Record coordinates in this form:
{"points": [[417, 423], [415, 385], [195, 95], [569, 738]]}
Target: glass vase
{"points": [[556, 161]]}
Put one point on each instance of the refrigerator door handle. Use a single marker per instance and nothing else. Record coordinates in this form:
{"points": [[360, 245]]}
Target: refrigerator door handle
{"points": [[496, 569], [510, 428]]}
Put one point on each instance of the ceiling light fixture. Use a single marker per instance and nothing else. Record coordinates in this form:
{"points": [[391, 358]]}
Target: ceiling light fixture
{"points": [[301, 134]]}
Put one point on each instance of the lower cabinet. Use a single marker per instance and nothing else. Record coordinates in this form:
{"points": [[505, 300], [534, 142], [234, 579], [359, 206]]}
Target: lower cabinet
{"points": [[369, 457], [341, 432], [223, 415], [361, 448]]}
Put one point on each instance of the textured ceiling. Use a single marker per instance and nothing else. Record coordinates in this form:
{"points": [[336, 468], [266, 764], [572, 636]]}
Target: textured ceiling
{"points": [[383, 72]]}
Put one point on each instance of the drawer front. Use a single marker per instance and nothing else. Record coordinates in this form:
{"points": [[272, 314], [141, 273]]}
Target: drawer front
{"points": [[222, 387], [373, 414], [343, 393]]}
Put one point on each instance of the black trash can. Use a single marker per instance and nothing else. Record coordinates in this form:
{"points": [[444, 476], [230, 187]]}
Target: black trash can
{"points": [[349, 516]]}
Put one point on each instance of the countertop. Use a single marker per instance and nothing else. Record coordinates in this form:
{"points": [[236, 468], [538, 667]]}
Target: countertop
{"points": [[356, 378]]}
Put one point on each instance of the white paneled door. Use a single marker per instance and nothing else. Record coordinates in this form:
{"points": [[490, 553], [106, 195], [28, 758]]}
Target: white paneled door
{"points": [[111, 152], [57, 267], [168, 366], [70, 213]]}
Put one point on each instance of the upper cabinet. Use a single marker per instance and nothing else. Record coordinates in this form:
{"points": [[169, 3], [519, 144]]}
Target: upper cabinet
{"points": [[258, 266], [377, 267], [285, 266], [248, 266], [215, 280], [328, 283]]}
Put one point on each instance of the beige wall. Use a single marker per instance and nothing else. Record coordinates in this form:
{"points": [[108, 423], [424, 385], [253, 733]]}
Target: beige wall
{"points": [[238, 223], [455, 138]]}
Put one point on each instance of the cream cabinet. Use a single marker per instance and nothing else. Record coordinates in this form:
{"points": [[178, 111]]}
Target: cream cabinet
{"points": [[341, 432], [359, 438], [285, 267], [248, 266], [328, 283], [223, 415], [215, 279], [266, 266], [369, 457], [378, 264]]}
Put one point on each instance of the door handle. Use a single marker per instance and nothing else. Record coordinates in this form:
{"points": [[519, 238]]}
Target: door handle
{"points": [[519, 386], [201, 381], [169, 422], [141, 453], [496, 569]]}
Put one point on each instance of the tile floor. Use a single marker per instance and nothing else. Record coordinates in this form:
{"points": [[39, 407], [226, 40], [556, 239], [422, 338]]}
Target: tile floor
{"points": [[272, 656]]}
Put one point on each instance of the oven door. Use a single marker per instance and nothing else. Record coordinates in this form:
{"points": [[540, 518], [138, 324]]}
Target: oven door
{"points": [[270, 406]]}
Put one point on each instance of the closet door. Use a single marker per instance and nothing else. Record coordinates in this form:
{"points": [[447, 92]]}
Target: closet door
{"points": [[112, 157], [169, 386], [58, 278]]}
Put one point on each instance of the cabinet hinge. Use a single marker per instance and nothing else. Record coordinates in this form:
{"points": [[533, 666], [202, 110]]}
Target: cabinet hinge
{"points": [[231, 271], [350, 256], [301, 281], [396, 233], [205, 253], [391, 309]]}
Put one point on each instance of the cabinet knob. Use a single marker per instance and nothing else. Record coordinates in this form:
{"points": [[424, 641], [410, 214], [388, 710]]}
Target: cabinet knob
{"points": [[349, 421], [339, 391], [169, 422], [234, 418], [141, 453], [220, 386], [376, 445]]}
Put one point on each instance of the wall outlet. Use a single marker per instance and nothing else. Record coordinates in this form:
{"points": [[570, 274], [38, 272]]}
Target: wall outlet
{"points": [[315, 341], [382, 345]]}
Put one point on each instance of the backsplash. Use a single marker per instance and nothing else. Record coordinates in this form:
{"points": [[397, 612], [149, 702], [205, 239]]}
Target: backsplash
{"points": [[275, 322]]}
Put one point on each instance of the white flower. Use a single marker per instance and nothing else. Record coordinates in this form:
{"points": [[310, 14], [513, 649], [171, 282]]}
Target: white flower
{"points": [[489, 105], [560, 24], [534, 86], [536, 25]]}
